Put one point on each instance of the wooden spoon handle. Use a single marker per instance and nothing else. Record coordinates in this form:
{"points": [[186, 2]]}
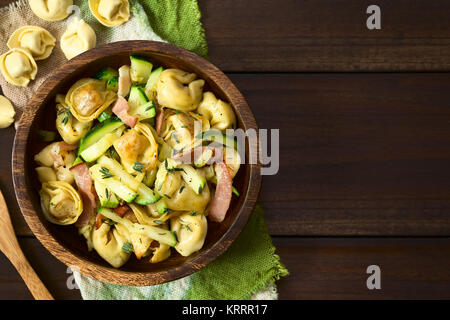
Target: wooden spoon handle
{"points": [[34, 284]]}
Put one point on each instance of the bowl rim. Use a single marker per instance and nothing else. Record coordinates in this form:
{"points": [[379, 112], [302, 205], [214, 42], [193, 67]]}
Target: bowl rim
{"points": [[109, 274]]}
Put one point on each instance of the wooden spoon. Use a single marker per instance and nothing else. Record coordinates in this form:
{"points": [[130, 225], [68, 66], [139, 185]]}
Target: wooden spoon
{"points": [[10, 247]]}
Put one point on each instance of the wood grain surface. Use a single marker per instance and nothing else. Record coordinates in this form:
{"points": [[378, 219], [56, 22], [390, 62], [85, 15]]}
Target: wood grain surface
{"points": [[370, 155]]}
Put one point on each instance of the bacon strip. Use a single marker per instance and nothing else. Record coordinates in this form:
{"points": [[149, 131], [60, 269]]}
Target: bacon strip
{"points": [[56, 152], [159, 120], [124, 81], [121, 109], [222, 198], [84, 183], [122, 210]]}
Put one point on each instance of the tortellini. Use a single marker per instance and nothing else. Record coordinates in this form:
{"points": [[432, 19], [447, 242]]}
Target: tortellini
{"points": [[88, 98], [78, 38], [51, 10], [70, 128], [219, 113], [60, 202], [178, 89], [179, 129], [38, 41], [185, 199], [46, 174], [191, 232], [108, 242], [110, 13], [137, 145], [7, 112], [18, 67]]}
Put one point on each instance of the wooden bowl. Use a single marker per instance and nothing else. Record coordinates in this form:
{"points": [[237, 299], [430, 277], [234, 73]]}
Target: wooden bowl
{"points": [[63, 241]]}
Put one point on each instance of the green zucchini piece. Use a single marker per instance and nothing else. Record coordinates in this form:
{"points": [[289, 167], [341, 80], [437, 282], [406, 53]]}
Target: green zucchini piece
{"points": [[139, 104], [118, 171], [150, 176], [107, 198], [99, 148], [146, 195], [97, 132], [106, 74], [113, 84], [159, 234], [98, 172], [105, 115], [192, 178], [204, 158], [161, 206], [78, 160], [151, 83], [219, 137], [140, 69]]}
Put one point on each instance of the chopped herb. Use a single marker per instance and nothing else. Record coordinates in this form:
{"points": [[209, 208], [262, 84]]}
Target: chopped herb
{"points": [[174, 136], [158, 222], [105, 173], [111, 152], [184, 127], [52, 204], [200, 189], [107, 194], [138, 166], [167, 196], [66, 117], [177, 111], [236, 192], [170, 127], [193, 213], [181, 189], [187, 227], [109, 222], [127, 247]]}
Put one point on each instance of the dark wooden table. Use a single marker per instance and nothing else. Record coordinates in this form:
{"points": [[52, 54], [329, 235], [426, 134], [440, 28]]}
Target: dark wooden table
{"points": [[365, 152]]}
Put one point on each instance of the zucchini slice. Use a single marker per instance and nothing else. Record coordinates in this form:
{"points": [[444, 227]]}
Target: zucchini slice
{"points": [[204, 158], [151, 83], [97, 132], [107, 198], [192, 178], [219, 137], [106, 74], [161, 206], [140, 69], [159, 234], [146, 195], [105, 115], [139, 104], [117, 170], [113, 84], [104, 175], [101, 146]]}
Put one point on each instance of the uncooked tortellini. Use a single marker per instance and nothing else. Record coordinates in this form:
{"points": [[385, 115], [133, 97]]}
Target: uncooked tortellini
{"points": [[87, 98], [38, 41], [18, 67], [78, 38], [7, 112], [51, 10], [60, 202], [110, 13], [219, 113], [178, 89], [191, 232], [108, 242], [69, 127]]}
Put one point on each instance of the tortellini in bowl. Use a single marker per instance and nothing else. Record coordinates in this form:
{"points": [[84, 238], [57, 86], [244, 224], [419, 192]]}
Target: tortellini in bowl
{"points": [[60, 202]]}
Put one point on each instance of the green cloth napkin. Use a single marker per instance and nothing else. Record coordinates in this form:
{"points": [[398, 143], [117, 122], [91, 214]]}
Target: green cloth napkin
{"points": [[248, 269]]}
